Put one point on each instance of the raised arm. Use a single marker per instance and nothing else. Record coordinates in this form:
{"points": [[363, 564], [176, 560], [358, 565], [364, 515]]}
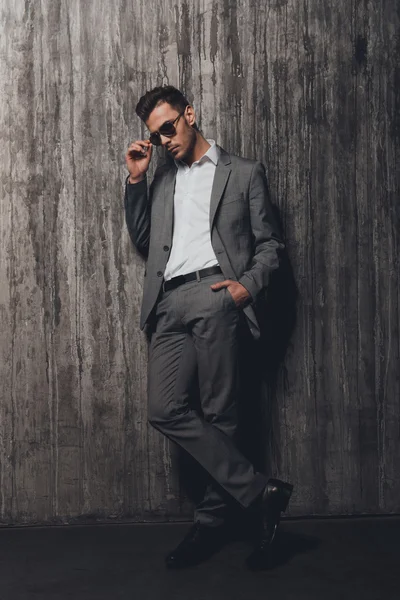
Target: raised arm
{"points": [[136, 202]]}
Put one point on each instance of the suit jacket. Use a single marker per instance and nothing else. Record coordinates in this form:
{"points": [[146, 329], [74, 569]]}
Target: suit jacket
{"points": [[244, 232]]}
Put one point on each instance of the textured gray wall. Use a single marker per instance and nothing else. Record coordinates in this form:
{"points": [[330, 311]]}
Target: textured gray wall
{"points": [[308, 88]]}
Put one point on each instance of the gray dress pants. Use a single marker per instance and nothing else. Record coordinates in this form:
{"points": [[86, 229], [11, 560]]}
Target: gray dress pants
{"points": [[197, 331]]}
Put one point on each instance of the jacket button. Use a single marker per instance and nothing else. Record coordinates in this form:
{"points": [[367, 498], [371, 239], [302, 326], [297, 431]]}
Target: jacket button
{"points": [[159, 273], [166, 248]]}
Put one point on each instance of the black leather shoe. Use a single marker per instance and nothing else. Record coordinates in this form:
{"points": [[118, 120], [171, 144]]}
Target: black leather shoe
{"points": [[199, 543], [275, 499]]}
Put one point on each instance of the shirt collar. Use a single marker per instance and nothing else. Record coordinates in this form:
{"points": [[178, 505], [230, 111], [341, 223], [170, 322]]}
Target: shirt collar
{"points": [[212, 154]]}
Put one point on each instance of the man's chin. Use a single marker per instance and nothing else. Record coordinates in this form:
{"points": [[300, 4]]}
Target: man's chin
{"points": [[178, 155]]}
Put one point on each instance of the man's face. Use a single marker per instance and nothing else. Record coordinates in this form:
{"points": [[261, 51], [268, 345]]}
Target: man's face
{"points": [[181, 144]]}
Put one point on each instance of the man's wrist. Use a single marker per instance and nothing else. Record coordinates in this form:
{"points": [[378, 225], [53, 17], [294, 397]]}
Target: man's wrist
{"points": [[246, 286], [134, 180]]}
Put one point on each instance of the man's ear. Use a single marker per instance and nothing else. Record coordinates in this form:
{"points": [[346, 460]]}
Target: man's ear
{"points": [[190, 115]]}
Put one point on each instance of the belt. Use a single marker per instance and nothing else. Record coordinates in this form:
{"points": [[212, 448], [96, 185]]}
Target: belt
{"points": [[196, 275]]}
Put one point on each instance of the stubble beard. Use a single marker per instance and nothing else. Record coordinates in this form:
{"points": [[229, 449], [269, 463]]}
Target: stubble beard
{"points": [[192, 143]]}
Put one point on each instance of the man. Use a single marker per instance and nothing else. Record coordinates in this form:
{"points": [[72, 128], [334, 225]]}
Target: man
{"points": [[207, 231]]}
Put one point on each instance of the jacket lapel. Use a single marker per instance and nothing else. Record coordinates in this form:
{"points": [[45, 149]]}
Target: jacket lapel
{"points": [[221, 176], [169, 189]]}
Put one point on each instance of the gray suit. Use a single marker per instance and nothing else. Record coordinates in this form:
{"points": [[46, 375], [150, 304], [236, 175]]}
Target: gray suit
{"points": [[195, 329]]}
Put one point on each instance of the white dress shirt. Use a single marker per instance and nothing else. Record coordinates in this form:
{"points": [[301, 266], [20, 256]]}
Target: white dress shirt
{"points": [[191, 241]]}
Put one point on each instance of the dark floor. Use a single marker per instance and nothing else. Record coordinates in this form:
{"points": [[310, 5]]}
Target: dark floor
{"points": [[318, 559]]}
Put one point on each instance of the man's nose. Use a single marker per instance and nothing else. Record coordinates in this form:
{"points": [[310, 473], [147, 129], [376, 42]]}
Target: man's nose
{"points": [[164, 139]]}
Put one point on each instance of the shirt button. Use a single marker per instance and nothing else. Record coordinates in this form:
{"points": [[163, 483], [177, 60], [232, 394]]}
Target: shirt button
{"points": [[159, 273], [166, 248]]}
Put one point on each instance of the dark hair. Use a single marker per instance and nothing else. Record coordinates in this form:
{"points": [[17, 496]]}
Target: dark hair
{"points": [[158, 95]]}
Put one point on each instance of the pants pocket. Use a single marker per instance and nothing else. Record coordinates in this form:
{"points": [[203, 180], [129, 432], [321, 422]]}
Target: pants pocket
{"points": [[230, 298]]}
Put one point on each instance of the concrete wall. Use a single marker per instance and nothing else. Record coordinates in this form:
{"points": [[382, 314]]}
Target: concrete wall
{"points": [[310, 88]]}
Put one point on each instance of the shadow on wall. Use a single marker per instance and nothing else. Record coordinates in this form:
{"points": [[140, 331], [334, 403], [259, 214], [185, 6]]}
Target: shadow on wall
{"points": [[263, 365]]}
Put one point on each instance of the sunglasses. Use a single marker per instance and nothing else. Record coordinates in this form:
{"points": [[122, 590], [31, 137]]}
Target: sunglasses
{"points": [[167, 129]]}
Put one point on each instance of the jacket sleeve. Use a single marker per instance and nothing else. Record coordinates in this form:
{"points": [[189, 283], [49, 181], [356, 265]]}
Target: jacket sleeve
{"points": [[137, 214], [267, 240]]}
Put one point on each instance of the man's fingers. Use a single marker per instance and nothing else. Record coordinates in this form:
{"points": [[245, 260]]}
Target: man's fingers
{"points": [[141, 142], [221, 284], [145, 143], [139, 145]]}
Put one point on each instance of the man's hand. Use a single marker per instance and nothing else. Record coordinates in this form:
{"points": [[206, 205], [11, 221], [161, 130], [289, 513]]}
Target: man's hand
{"points": [[137, 159], [238, 292]]}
